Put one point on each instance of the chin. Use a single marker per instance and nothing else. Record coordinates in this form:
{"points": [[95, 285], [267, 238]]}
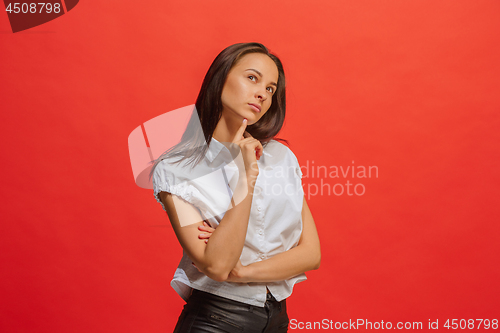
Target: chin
{"points": [[252, 120], [251, 117]]}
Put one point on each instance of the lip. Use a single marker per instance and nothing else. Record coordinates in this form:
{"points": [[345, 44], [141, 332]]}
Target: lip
{"points": [[255, 107]]}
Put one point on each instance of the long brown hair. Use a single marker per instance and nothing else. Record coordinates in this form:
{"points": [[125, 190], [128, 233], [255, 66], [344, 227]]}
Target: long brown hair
{"points": [[209, 107]]}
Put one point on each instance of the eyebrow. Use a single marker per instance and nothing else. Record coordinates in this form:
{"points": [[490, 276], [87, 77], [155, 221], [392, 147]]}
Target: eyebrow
{"points": [[256, 71]]}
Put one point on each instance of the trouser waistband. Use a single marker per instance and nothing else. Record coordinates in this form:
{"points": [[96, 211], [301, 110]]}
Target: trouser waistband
{"points": [[270, 299]]}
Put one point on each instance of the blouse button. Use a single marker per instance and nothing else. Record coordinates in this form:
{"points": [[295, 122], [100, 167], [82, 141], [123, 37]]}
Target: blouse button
{"points": [[259, 208], [261, 232]]}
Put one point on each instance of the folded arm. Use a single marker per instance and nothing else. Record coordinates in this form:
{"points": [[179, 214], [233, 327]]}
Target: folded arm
{"points": [[304, 257], [219, 256]]}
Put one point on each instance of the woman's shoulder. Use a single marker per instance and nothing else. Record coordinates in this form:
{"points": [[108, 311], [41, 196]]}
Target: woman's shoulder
{"points": [[169, 164], [176, 169], [282, 156], [280, 148]]}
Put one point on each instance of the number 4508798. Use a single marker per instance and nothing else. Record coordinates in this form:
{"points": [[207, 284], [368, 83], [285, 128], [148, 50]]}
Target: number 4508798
{"points": [[471, 324], [33, 8]]}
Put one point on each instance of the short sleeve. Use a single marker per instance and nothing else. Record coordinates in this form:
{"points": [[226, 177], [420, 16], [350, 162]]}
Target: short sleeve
{"points": [[298, 170], [166, 179]]}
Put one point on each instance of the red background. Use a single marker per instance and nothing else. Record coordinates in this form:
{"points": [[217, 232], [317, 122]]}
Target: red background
{"points": [[411, 87]]}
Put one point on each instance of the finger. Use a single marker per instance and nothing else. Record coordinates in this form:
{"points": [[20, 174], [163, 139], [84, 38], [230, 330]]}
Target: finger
{"points": [[207, 229], [252, 144], [259, 150], [241, 130]]}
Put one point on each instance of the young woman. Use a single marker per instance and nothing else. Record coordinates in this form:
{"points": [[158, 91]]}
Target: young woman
{"points": [[238, 186]]}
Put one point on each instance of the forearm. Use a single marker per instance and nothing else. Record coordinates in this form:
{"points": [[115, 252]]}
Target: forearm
{"points": [[282, 266], [226, 243]]}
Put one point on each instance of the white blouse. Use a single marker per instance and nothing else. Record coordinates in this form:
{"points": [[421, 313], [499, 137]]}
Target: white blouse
{"points": [[275, 222]]}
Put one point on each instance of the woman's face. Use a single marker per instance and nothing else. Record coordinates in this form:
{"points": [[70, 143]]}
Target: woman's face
{"points": [[249, 88]]}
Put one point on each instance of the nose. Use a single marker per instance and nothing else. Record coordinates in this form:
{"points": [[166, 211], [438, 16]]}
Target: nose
{"points": [[261, 94]]}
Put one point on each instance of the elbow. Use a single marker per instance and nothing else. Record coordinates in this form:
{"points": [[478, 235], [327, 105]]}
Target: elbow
{"points": [[219, 274], [217, 270], [316, 262], [218, 277]]}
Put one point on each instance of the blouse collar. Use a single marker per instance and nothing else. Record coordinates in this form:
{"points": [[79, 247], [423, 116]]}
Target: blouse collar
{"points": [[214, 149]]}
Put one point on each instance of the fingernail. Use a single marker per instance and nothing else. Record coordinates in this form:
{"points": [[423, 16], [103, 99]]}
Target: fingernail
{"points": [[244, 119]]}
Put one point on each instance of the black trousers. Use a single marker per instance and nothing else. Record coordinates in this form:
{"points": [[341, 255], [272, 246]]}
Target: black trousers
{"points": [[205, 312]]}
